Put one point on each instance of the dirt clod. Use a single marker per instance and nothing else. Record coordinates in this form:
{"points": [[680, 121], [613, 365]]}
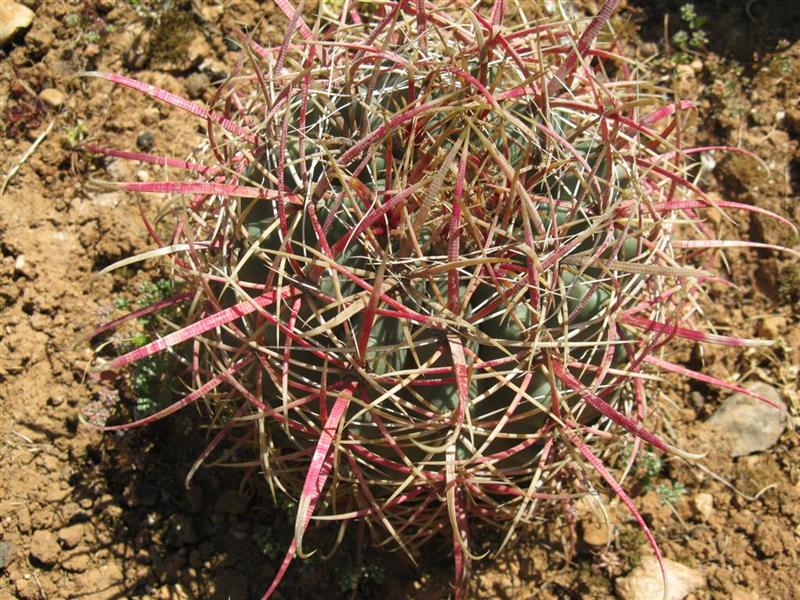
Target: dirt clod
{"points": [[44, 548]]}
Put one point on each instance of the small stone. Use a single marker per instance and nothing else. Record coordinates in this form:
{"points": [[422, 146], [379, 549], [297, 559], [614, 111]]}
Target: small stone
{"points": [[648, 49], [215, 69], [212, 13], [106, 200], [6, 554], [14, 18], [684, 72], [44, 548], [91, 51], [596, 528], [197, 84], [697, 399], [697, 65], [703, 505], [645, 581], [750, 424], [771, 328], [52, 97], [145, 141], [142, 175], [19, 264], [73, 535]]}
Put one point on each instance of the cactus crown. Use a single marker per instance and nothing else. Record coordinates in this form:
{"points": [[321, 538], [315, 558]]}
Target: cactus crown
{"points": [[431, 255]]}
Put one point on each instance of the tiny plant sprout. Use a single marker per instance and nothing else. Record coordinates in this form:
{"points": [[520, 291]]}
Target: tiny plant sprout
{"points": [[426, 262]]}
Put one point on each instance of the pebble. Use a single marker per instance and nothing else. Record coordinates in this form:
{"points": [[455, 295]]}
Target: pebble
{"points": [[703, 504], [6, 554], [684, 72], [595, 529], [52, 97], [14, 18], [44, 547], [19, 264], [648, 49], [750, 424], [645, 582], [145, 141], [697, 65], [197, 84]]}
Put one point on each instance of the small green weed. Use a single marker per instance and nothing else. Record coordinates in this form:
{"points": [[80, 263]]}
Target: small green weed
{"points": [[149, 380], [350, 580], [694, 36], [670, 493], [74, 134], [92, 27]]}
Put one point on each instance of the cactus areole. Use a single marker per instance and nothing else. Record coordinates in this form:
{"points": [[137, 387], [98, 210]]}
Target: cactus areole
{"points": [[427, 259]]}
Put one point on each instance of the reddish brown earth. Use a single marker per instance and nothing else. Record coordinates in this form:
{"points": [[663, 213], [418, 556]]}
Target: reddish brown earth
{"points": [[87, 515]]}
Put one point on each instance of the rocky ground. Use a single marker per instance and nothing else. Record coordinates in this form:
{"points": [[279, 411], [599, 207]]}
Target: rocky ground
{"points": [[86, 515]]}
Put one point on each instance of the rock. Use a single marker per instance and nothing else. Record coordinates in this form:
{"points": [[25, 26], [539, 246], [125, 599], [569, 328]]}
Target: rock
{"points": [[215, 69], [750, 424], [14, 18], [6, 554], [648, 49], [596, 529], [645, 583], [771, 328], [73, 535], [145, 141], [106, 199], [19, 265], [197, 84], [44, 547], [697, 65], [52, 97], [684, 72], [703, 505]]}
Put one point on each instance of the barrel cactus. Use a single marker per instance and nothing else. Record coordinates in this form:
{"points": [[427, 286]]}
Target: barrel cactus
{"points": [[427, 258]]}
